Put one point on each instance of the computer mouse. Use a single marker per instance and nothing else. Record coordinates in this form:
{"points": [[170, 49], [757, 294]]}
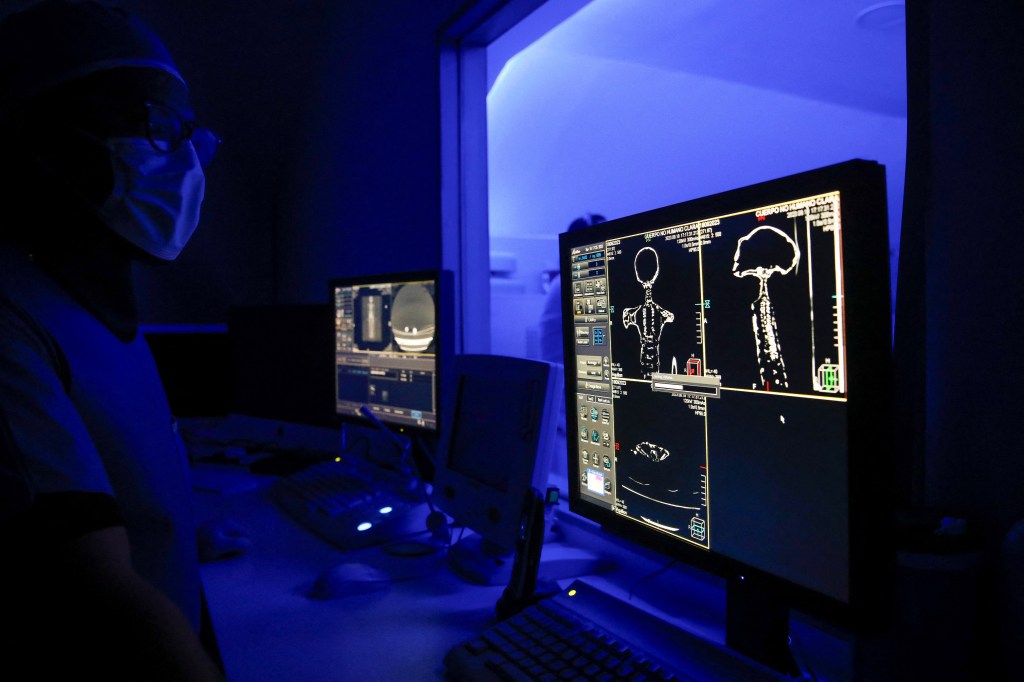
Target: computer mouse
{"points": [[348, 579]]}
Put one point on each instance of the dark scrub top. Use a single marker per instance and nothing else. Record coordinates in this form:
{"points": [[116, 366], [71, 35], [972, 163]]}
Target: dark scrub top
{"points": [[87, 439]]}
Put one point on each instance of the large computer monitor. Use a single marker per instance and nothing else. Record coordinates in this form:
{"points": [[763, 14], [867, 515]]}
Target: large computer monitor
{"points": [[392, 340], [727, 386]]}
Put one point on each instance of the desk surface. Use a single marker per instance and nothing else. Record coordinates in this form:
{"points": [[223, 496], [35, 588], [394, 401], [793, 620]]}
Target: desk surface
{"points": [[270, 630]]}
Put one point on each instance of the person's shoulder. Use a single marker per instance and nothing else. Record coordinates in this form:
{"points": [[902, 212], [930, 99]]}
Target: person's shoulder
{"points": [[24, 337], [29, 295], [21, 280]]}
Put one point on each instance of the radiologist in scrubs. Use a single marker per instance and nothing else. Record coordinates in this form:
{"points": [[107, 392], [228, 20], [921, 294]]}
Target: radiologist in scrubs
{"points": [[101, 170]]}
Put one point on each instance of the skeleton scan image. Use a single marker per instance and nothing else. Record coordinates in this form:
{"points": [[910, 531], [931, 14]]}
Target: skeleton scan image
{"points": [[648, 318]]}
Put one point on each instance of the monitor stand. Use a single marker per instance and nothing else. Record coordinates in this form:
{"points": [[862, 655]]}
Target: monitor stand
{"points": [[480, 561], [757, 625]]}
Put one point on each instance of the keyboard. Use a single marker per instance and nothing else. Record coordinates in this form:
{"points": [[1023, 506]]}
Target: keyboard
{"points": [[585, 635], [352, 503]]}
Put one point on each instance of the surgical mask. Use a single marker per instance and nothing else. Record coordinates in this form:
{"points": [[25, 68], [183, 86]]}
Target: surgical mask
{"points": [[156, 196]]}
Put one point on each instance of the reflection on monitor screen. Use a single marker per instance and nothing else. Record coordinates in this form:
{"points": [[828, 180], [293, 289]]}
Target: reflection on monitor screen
{"points": [[727, 366], [387, 342]]}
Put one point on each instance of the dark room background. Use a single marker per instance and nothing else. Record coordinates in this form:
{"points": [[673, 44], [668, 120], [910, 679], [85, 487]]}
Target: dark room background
{"points": [[331, 165]]}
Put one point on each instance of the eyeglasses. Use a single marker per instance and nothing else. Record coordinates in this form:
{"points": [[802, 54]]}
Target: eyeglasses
{"points": [[167, 130]]}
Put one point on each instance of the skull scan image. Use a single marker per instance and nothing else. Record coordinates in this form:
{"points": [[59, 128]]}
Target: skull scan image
{"points": [[648, 477], [649, 318], [412, 318], [764, 252]]}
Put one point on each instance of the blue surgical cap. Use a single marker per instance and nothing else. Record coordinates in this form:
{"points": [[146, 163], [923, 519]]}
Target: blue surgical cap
{"points": [[58, 41]]}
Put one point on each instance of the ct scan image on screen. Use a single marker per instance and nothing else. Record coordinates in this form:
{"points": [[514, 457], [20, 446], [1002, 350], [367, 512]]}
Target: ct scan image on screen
{"points": [[392, 317]]}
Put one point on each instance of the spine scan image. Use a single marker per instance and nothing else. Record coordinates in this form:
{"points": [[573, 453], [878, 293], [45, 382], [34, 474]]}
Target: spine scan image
{"points": [[760, 254]]}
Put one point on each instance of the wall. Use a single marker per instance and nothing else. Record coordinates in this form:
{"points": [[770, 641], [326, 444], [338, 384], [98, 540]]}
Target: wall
{"points": [[569, 134], [960, 333], [368, 195], [972, 242]]}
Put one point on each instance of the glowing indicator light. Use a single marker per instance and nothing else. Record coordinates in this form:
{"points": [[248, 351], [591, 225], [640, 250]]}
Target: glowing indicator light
{"points": [[572, 593], [386, 510], [364, 526]]}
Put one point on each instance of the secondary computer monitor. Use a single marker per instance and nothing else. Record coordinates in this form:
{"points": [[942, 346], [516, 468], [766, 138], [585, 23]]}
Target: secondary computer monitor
{"points": [[392, 336], [496, 450], [727, 386]]}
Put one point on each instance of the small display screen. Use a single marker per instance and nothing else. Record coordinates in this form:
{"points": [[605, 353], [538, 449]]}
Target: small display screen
{"points": [[386, 349]]}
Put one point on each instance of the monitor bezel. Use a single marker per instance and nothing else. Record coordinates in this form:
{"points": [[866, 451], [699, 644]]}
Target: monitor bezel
{"points": [[867, 308], [444, 337]]}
